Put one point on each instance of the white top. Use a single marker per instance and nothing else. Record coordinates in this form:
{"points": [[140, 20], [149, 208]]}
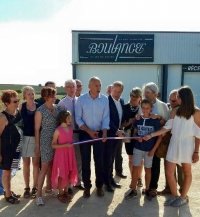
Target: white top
{"points": [[161, 109], [182, 143]]}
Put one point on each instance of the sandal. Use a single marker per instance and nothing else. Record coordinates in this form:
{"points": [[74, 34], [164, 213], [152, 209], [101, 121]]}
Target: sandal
{"points": [[12, 200], [68, 197], [34, 192], [143, 191], [62, 198], [15, 195], [153, 193], [139, 183], [27, 193], [48, 191]]}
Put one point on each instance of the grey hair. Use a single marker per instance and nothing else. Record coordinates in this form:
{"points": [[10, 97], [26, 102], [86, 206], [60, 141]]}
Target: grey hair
{"points": [[118, 84], [92, 79], [175, 91], [152, 87], [70, 81]]}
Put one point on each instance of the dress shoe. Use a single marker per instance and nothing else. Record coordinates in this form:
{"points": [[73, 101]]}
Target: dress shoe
{"points": [[122, 176], [100, 192], [115, 185], [70, 191], [79, 187], [109, 188], [86, 193]]}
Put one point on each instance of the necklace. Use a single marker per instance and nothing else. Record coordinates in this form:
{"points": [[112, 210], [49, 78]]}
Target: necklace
{"points": [[13, 114], [51, 109], [134, 109]]}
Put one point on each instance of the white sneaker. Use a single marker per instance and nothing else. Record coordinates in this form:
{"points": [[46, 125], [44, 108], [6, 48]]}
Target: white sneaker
{"points": [[39, 201]]}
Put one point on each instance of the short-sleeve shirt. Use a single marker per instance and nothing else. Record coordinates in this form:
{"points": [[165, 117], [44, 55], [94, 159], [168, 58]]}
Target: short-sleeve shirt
{"points": [[144, 127]]}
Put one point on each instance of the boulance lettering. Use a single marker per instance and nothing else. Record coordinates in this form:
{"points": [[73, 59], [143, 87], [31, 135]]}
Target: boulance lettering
{"points": [[116, 49], [113, 50], [100, 48], [140, 48], [92, 48]]}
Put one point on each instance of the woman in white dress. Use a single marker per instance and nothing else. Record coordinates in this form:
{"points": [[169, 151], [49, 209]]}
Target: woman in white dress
{"points": [[183, 149]]}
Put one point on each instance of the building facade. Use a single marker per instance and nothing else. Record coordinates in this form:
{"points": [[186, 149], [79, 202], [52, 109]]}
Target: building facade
{"points": [[170, 59]]}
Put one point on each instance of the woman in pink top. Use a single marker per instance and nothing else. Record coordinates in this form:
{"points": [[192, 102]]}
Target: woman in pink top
{"points": [[64, 171]]}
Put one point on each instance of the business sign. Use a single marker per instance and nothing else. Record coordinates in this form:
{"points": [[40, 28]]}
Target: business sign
{"points": [[116, 47], [191, 68]]}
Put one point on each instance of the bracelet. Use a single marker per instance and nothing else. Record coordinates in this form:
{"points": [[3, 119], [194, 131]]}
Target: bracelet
{"points": [[196, 152]]}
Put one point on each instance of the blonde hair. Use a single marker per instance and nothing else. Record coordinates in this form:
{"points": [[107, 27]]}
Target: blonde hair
{"points": [[26, 89]]}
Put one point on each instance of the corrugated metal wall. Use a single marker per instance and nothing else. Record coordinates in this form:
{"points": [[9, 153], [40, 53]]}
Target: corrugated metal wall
{"points": [[169, 47]]}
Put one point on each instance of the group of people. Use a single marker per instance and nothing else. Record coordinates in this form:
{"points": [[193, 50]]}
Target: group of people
{"points": [[57, 135]]}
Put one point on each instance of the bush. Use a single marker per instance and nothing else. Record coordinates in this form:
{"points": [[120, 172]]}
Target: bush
{"points": [[19, 91]]}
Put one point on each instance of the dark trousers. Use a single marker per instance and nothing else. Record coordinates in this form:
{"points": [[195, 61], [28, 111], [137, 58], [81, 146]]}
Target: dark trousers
{"points": [[98, 152], [118, 157], [110, 150], [155, 173]]}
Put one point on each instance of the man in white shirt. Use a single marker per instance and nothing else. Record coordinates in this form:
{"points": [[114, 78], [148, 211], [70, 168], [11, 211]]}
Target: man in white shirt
{"points": [[112, 146]]}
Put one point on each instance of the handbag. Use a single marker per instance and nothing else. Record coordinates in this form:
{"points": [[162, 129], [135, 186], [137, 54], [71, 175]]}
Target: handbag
{"points": [[161, 151]]}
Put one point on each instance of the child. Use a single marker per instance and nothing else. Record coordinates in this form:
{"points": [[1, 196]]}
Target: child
{"points": [[144, 150], [64, 170]]}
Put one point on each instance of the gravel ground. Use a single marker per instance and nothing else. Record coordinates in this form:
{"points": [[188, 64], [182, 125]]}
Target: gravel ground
{"points": [[110, 205]]}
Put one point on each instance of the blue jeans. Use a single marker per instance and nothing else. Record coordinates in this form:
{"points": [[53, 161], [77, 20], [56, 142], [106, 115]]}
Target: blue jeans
{"points": [[1, 187]]}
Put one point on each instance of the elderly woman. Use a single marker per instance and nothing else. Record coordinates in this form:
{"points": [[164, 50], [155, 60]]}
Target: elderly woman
{"points": [[10, 137], [28, 109], [45, 125]]}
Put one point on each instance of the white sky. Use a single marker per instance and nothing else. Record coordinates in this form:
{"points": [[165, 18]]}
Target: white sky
{"points": [[32, 52]]}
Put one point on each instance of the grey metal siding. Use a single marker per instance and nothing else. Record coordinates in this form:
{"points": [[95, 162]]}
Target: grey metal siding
{"points": [[169, 47]]}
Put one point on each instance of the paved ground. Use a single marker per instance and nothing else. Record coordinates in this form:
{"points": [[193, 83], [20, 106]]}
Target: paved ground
{"points": [[110, 205]]}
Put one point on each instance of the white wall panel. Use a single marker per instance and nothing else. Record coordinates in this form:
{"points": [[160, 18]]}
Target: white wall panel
{"points": [[130, 75], [192, 79], [174, 77]]}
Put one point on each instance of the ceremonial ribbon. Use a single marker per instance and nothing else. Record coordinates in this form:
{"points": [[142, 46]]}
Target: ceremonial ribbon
{"points": [[107, 138]]}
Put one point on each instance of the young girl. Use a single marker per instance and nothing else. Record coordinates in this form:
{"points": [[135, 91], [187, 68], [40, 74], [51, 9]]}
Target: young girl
{"points": [[64, 171]]}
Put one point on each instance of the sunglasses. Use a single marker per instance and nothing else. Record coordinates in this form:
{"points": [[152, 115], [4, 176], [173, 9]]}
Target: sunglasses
{"points": [[15, 101]]}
